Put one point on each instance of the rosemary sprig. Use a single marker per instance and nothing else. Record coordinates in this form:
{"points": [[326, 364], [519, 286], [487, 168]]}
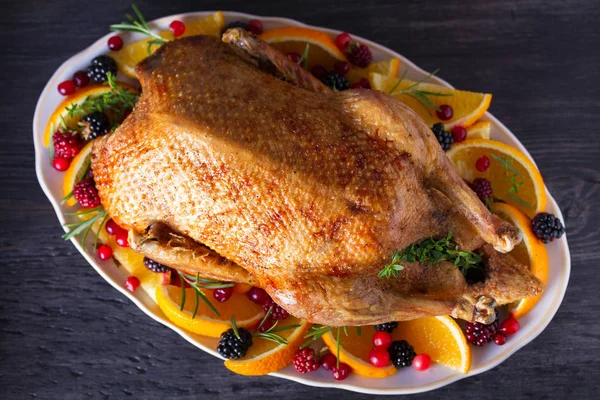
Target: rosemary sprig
{"points": [[514, 177], [417, 94], [315, 333], [138, 24], [75, 228], [304, 57], [198, 284], [433, 252], [272, 333]]}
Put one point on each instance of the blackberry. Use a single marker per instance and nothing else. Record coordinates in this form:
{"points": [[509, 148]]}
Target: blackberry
{"points": [[547, 227], [233, 347], [482, 188], [96, 124], [305, 361], [401, 353], [360, 55], [236, 24], [336, 81], [278, 313], [100, 68], [155, 266], [480, 334], [388, 326], [444, 137]]}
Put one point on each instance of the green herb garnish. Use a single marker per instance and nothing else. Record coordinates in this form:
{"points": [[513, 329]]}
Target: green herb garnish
{"points": [[138, 24], [271, 333], [76, 228], [304, 57], [514, 177], [417, 94], [198, 284], [433, 252]]}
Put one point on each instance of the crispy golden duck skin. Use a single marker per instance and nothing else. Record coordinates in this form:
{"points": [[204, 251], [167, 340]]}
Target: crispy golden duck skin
{"points": [[239, 165]]}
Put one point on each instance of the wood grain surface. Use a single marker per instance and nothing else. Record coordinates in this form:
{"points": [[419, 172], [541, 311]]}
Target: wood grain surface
{"points": [[66, 334]]}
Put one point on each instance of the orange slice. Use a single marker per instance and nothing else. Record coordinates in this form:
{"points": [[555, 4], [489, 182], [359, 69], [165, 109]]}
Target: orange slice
{"points": [[131, 54], [76, 172], [265, 356], [530, 194], [468, 107], [531, 252], [439, 337], [322, 49], [206, 322], [479, 130], [388, 68], [354, 351]]}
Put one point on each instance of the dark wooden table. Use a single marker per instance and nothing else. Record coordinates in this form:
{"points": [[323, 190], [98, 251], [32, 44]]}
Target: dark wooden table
{"points": [[66, 334]]}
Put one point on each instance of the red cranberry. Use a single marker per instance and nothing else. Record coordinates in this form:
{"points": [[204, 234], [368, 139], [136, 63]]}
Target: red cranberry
{"points": [[81, 78], [294, 57], [61, 164], [342, 40], [382, 339], [319, 71], [510, 326], [499, 339], [112, 228], [132, 283], [66, 88], [459, 134], [421, 362], [177, 28], [379, 357], [258, 295], [341, 67], [121, 238], [267, 325], [482, 163], [446, 112], [104, 252], [341, 372], [115, 43], [365, 83], [223, 294], [328, 361], [255, 26]]}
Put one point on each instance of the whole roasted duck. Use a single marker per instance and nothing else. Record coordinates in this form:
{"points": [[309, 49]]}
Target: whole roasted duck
{"points": [[239, 165]]}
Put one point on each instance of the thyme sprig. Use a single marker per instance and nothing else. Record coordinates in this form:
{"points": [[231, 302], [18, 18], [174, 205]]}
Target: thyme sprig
{"points": [[433, 252], [420, 95], [138, 24], [198, 284], [117, 102]]}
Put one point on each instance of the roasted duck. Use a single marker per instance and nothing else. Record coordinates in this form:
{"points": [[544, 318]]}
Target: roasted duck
{"points": [[238, 164]]}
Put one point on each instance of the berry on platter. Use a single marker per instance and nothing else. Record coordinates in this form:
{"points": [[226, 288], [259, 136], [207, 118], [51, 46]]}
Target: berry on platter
{"points": [[121, 238], [104, 252], [482, 163], [61, 164], [150, 264], [499, 339], [443, 136], [336, 82], [445, 112], [306, 360], [258, 295], [86, 194], [66, 145], [132, 283], [328, 361], [115, 43], [234, 345], [547, 227], [480, 334], [223, 294], [387, 326], [421, 362], [81, 78], [382, 339], [379, 357], [341, 372], [342, 40], [401, 353], [278, 313], [255, 26], [510, 326], [177, 28], [360, 55], [67, 87]]}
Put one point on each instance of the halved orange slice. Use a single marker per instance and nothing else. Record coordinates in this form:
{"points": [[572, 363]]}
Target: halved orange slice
{"points": [[206, 322], [439, 337], [479, 130], [531, 252], [131, 54], [265, 356], [354, 350], [76, 172], [468, 107], [514, 177], [322, 49]]}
